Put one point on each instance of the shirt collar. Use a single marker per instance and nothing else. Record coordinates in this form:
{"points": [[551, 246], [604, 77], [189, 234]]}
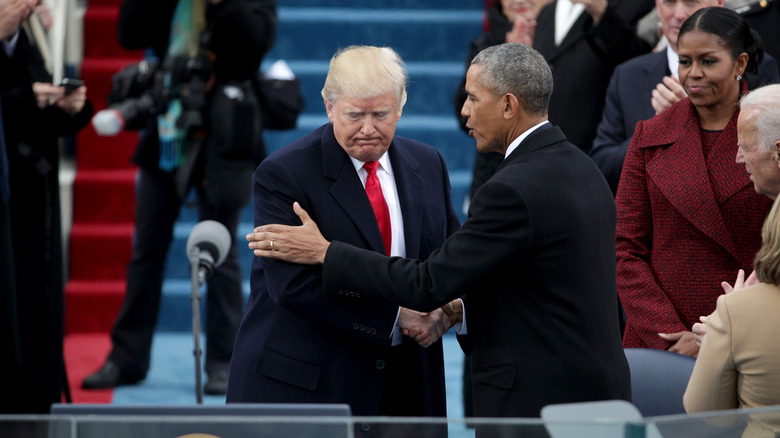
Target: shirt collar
{"points": [[523, 136], [674, 61], [384, 163]]}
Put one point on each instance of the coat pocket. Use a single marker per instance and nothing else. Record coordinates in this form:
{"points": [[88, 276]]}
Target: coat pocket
{"points": [[289, 370], [499, 376]]}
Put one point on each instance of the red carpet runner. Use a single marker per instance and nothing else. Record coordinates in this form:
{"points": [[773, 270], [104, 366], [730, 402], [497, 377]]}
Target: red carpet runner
{"points": [[103, 203]]}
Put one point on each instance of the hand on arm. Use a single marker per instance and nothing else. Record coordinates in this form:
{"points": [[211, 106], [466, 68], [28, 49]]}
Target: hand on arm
{"points": [[667, 93], [302, 244]]}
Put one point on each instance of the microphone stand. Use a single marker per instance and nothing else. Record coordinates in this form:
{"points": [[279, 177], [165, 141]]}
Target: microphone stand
{"points": [[197, 280]]}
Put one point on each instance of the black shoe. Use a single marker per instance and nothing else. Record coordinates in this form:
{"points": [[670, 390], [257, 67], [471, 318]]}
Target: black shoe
{"points": [[109, 376], [217, 383]]}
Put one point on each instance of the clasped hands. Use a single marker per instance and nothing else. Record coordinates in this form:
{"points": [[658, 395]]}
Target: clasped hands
{"points": [[428, 327]]}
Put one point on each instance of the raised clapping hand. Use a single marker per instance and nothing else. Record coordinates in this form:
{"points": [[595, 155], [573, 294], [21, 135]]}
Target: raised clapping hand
{"points": [[667, 93], [302, 244], [700, 328], [522, 31]]}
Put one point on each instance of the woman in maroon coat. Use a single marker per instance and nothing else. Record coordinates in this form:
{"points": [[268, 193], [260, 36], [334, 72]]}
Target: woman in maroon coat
{"points": [[688, 216]]}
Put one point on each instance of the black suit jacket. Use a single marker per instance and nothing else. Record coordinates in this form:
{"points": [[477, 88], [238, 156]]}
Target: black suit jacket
{"points": [[297, 344], [536, 261], [583, 63]]}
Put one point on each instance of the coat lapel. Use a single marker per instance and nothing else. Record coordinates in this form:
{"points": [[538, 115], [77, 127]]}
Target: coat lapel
{"points": [[411, 189], [721, 161], [348, 192], [680, 173], [574, 35]]}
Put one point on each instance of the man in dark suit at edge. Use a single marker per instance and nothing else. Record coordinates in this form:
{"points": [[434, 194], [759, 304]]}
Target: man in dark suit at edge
{"points": [[535, 258], [299, 345]]}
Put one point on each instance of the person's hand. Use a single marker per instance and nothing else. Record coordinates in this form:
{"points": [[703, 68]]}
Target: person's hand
{"points": [[43, 11], [666, 94], [594, 8], [12, 13], [74, 102], [424, 327], [454, 311], [302, 244], [522, 31], [684, 343], [740, 282], [48, 94], [700, 329]]}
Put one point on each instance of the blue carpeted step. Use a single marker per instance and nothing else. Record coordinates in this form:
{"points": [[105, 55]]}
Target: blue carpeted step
{"points": [[391, 4], [416, 34], [441, 132], [431, 88], [176, 305]]}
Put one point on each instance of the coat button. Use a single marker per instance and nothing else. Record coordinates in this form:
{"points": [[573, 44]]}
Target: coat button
{"points": [[373, 331], [365, 427], [380, 364], [355, 325]]}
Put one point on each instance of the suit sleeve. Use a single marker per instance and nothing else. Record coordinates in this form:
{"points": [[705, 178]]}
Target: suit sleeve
{"points": [[647, 307], [298, 288], [611, 143], [499, 230], [713, 383]]}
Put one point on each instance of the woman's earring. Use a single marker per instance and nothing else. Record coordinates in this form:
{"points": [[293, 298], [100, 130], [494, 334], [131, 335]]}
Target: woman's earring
{"points": [[739, 77]]}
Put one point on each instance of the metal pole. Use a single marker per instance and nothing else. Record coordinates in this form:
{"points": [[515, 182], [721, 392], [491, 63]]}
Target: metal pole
{"points": [[195, 298]]}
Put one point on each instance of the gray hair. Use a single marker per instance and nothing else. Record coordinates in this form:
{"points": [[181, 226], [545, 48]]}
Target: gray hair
{"points": [[517, 69], [364, 72], [766, 100]]}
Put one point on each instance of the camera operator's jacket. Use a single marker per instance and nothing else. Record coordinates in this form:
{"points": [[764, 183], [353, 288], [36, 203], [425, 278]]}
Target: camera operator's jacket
{"points": [[241, 33]]}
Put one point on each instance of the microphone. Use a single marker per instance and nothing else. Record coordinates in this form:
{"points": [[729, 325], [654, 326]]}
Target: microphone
{"points": [[207, 247], [109, 122]]}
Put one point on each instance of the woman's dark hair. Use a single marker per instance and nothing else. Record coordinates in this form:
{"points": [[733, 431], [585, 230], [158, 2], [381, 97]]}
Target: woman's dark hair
{"points": [[732, 28]]}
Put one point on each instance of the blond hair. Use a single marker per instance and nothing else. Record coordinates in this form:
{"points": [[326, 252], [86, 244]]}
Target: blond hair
{"points": [[767, 262], [364, 72]]}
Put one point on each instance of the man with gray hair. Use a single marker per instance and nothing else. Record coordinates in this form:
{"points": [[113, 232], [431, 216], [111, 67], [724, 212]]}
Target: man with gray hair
{"points": [[535, 258], [377, 191], [758, 134]]}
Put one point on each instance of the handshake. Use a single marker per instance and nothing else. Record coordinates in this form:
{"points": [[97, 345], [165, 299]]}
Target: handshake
{"points": [[428, 327]]}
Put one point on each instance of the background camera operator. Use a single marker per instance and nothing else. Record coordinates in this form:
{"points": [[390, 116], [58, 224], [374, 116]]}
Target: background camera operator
{"points": [[202, 130]]}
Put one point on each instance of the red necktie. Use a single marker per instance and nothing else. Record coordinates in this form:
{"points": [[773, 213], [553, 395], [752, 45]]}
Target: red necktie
{"points": [[382, 213]]}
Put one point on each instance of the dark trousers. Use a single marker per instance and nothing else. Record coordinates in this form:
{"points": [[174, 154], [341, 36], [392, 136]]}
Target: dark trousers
{"points": [[157, 207]]}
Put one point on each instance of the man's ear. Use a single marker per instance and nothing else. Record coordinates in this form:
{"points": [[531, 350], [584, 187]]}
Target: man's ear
{"points": [[511, 105], [776, 152]]}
